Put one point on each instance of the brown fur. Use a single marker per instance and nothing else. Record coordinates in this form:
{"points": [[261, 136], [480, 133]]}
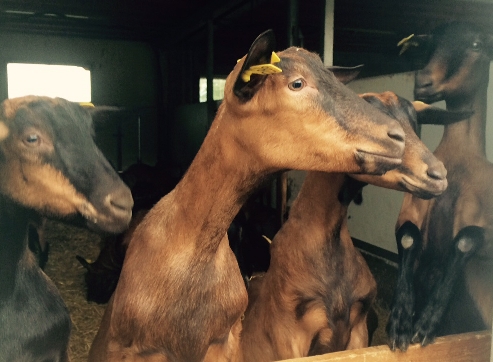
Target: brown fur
{"points": [[469, 198], [181, 296], [47, 151], [316, 294], [37, 183]]}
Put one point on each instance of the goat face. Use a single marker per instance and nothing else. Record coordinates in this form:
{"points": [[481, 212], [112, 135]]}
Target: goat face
{"points": [[420, 173], [459, 56], [314, 121], [52, 164]]}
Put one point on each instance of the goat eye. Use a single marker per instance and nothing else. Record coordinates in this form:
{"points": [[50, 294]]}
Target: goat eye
{"points": [[32, 139], [477, 45], [297, 85]]}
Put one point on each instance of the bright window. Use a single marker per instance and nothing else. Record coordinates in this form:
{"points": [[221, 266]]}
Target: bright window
{"points": [[217, 89], [69, 82]]}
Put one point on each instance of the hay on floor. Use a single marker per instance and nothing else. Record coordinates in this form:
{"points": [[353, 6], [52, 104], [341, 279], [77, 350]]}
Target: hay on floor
{"points": [[68, 275]]}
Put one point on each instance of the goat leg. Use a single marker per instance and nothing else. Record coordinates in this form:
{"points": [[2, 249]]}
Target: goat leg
{"points": [[467, 241], [400, 324]]}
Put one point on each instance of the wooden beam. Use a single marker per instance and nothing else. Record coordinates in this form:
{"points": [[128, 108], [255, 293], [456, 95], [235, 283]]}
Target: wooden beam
{"points": [[491, 349], [467, 347], [328, 55]]}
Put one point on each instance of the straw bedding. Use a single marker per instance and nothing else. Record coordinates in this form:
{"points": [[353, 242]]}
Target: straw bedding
{"points": [[68, 274]]}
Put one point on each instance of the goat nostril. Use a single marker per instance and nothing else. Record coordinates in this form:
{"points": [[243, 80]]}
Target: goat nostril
{"points": [[437, 173], [424, 83], [397, 134], [121, 199], [423, 78]]}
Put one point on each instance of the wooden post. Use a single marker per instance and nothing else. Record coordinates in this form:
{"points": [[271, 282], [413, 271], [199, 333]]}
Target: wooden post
{"points": [[491, 344], [328, 54], [210, 72]]}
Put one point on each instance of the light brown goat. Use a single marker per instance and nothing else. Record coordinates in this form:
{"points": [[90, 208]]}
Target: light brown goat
{"points": [[445, 283], [315, 297], [180, 296]]}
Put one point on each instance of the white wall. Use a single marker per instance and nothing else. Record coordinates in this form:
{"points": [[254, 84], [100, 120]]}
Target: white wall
{"points": [[374, 221]]}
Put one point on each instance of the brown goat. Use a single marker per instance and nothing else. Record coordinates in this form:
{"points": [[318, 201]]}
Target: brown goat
{"points": [[180, 296], [315, 297], [50, 166], [445, 283]]}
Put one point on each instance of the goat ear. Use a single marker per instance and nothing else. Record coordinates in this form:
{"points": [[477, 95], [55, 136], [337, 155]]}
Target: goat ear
{"points": [[100, 109], [433, 115], [413, 41], [346, 74], [102, 113], [423, 39], [93, 110], [260, 53]]}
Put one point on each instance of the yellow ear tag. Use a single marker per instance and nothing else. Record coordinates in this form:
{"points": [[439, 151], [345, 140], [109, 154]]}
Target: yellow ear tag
{"points": [[406, 43], [262, 68], [86, 104], [274, 58]]}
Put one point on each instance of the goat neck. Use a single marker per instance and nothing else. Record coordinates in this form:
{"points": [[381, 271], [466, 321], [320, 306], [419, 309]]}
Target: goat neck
{"points": [[470, 134], [221, 190], [317, 208], [300, 302]]}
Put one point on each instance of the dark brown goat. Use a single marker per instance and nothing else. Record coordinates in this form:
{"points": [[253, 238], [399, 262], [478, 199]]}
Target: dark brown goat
{"points": [[180, 296], [315, 297], [445, 283], [51, 166]]}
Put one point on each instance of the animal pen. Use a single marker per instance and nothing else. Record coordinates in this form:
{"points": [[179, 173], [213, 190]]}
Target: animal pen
{"points": [[146, 60]]}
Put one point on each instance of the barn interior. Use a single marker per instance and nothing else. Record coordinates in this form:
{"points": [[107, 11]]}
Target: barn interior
{"points": [[148, 56], [149, 59]]}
